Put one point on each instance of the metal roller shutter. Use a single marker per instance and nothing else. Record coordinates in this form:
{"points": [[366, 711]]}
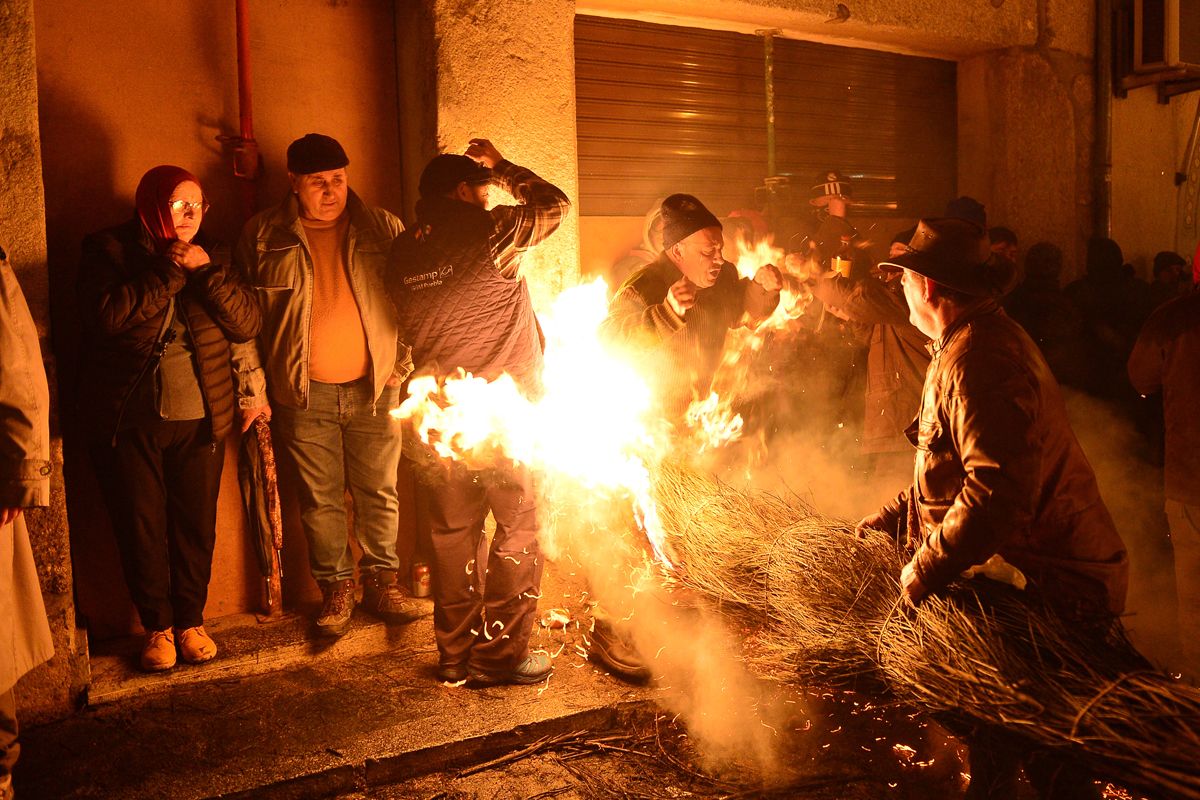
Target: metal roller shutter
{"points": [[664, 108]]}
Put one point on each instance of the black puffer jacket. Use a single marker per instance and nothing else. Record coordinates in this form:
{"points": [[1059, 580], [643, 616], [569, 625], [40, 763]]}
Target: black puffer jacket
{"points": [[125, 290]]}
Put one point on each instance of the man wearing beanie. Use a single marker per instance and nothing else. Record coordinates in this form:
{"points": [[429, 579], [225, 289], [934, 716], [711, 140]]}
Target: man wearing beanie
{"points": [[680, 306], [326, 366], [463, 304], [677, 311]]}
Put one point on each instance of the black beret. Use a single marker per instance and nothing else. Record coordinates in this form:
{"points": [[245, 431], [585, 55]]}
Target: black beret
{"points": [[315, 152]]}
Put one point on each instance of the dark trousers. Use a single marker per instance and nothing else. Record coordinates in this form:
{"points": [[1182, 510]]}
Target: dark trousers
{"points": [[9, 747], [160, 482], [483, 613]]}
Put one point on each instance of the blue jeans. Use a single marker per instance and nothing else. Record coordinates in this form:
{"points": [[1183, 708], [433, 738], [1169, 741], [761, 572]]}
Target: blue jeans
{"points": [[341, 442]]}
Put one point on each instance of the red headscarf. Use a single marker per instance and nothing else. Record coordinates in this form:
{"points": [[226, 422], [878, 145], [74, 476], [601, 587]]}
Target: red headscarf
{"points": [[153, 195], [1196, 266]]}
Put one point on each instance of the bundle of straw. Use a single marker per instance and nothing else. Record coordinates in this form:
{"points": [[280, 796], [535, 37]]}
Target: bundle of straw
{"points": [[827, 602]]}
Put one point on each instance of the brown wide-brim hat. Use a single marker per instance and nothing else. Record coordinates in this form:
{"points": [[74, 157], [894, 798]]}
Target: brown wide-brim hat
{"points": [[955, 253]]}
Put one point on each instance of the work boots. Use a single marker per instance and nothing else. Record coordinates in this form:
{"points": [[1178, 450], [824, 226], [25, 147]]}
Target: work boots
{"points": [[383, 597], [612, 646], [334, 619]]}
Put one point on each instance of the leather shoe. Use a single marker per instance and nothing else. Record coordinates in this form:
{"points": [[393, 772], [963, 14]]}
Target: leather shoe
{"points": [[334, 619], [612, 648], [534, 669], [383, 597], [195, 645], [158, 653]]}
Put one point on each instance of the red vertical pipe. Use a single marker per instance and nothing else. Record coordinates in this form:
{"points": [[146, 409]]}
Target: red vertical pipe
{"points": [[245, 151], [245, 98]]}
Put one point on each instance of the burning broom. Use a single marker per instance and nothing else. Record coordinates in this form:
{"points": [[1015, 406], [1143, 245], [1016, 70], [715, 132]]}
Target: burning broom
{"points": [[827, 603]]}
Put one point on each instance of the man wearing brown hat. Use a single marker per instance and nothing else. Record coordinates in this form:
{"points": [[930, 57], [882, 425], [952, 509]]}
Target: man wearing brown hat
{"points": [[464, 305], [326, 365], [998, 472]]}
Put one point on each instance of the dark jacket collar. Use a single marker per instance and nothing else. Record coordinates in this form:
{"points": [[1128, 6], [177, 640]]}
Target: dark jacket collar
{"points": [[665, 268], [431, 210]]}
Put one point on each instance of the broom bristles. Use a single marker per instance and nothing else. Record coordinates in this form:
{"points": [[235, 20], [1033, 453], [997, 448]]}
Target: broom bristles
{"points": [[827, 602]]}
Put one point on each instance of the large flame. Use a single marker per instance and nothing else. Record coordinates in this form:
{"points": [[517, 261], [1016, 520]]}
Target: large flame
{"points": [[796, 269], [735, 371], [594, 424]]}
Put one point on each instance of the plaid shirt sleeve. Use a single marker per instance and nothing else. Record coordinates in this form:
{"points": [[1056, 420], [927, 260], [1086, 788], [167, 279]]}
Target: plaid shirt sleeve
{"points": [[516, 229]]}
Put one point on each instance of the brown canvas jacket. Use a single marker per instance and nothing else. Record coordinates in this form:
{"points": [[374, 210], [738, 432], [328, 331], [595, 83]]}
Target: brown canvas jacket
{"points": [[998, 470], [1166, 358], [273, 257], [896, 360]]}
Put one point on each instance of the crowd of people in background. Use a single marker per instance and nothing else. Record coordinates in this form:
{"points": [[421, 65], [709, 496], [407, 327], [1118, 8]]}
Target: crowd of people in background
{"points": [[327, 305]]}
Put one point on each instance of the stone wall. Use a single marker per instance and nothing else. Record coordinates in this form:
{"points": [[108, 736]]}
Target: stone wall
{"points": [[49, 691], [505, 70], [1149, 145], [1026, 127]]}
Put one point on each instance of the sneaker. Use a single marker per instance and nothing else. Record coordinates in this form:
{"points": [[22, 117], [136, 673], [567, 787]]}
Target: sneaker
{"points": [[334, 619], [383, 597], [195, 645], [534, 669], [451, 673], [612, 647], [158, 653]]}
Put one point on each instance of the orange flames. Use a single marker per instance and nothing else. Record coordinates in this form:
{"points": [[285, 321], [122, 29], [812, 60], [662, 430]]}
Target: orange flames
{"points": [[593, 425], [794, 297], [713, 417]]}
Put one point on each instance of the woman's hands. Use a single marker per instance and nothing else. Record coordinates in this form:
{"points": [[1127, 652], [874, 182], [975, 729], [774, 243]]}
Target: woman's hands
{"points": [[188, 256]]}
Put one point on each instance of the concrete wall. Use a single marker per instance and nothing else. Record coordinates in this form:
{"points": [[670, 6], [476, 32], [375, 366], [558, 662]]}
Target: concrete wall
{"points": [[1026, 127], [505, 70], [48, 691], [117, 99], [922, 27], [1149, 144]]}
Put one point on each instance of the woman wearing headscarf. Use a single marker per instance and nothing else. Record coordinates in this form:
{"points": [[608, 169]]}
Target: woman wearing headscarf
{"points": [[160, 306]]}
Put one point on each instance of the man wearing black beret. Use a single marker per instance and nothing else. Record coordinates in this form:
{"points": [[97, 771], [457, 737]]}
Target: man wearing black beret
{"points": [[327, 359]]}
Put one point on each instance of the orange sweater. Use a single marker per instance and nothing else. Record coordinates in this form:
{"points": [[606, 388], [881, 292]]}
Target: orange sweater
{"points": [[338, 351]]}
